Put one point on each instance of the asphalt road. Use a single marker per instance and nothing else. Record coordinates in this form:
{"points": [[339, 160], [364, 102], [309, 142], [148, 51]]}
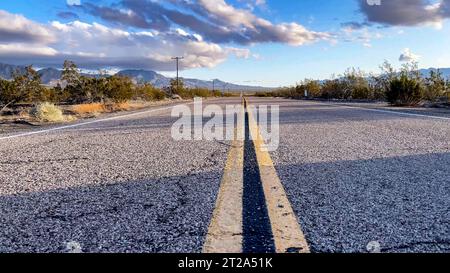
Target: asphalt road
{"points": [[354, 176], [121, 185], [358, 177]]}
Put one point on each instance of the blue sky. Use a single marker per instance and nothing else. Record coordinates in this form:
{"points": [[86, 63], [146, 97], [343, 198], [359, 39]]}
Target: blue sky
{"points": [[255, 42]]}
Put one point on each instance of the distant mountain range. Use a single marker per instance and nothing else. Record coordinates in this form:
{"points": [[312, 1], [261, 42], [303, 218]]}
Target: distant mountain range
{"points": [[445, 72], [51, 76]]}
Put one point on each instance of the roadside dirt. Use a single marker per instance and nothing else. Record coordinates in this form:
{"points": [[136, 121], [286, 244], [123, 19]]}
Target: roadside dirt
{"points": [[17, 120]]}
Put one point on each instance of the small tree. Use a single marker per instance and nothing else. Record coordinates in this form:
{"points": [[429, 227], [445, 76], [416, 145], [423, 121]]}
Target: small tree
{"points": [[70, 74], [73, 81]]}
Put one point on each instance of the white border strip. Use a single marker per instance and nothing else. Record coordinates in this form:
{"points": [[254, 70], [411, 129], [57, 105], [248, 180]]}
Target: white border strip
{"points": [[391, 112]]}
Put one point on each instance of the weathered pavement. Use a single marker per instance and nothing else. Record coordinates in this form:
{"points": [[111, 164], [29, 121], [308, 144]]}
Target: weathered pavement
{"points": [[121, 185], [352, 175], [356, 176]]}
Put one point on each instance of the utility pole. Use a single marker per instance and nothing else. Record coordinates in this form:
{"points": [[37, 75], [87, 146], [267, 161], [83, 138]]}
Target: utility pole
{"points": [[178, 80], [223, 89]]}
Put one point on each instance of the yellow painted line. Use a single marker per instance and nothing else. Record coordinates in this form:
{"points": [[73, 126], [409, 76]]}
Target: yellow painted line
{"points": [[225, 230], [288, 235]]}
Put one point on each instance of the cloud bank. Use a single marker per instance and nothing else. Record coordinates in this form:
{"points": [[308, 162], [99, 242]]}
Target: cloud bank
{"points": [[406, 12], [145, 34]]}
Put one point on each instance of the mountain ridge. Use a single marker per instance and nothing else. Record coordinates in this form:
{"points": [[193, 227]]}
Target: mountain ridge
{"points": [[51, 76]]}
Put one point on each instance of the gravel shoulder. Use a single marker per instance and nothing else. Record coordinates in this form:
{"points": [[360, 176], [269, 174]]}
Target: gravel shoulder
{"points": [[17, 124]]}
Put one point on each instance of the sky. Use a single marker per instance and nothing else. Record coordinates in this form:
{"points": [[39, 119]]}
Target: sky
{"points": [[253, 42]]}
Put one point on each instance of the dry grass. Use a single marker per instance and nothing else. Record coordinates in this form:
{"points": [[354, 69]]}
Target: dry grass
{"points": [[123, 106], [94, 109], [127, 106], [88, 109]]}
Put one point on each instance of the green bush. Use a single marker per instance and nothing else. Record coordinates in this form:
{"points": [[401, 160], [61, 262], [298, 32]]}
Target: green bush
{"points": [[7, 94], [435, 86], [119, 89], [149, 93], [203, 92], [404, 91], [334, 89], [361, 93]]}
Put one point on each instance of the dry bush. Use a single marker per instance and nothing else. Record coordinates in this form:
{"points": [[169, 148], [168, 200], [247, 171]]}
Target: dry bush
{"points": [[48, 112]]}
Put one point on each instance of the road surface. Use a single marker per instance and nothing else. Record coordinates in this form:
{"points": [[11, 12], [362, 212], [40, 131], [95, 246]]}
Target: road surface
{"points": [[354, 178]]}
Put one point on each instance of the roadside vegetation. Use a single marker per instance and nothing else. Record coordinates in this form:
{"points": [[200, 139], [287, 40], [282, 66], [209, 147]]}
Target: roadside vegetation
{"points": [[406, 87], [83, 96]]}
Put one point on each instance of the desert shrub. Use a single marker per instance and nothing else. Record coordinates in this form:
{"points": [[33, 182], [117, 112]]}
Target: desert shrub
{"points": [[216, 93], [264, 94], [94, 88], [62, 95], [203, 92], [229, 94], [334, 89], [119, 89], [189, 93], [435, 86], [355, 85], [48, 112], [313, 87], [286, 92], [25, 87], [49, 95], [7, 94], [149, 93], [404, 90], [177, 88], [361, 92]]}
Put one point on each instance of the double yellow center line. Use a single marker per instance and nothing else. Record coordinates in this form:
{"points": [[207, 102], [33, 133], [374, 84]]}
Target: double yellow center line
{"points": [[225, 233]]}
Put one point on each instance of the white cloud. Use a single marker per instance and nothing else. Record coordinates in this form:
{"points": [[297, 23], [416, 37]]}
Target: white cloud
{"points": [[258, 29], [17, 28], [408, 56], [95, 46], [73, 2], [26, 50]]}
